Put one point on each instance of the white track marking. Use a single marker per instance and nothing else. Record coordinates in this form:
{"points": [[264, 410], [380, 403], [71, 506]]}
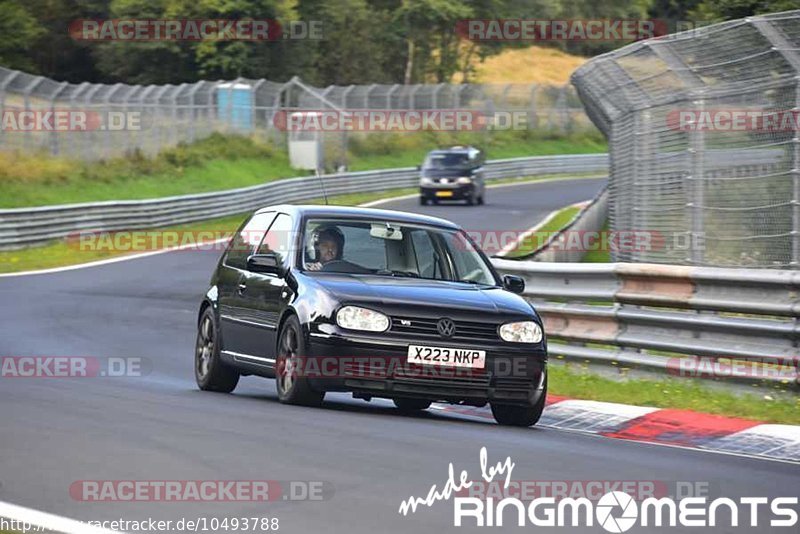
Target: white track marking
{"points": [[114, 260], [491, 186], [513, 246]]}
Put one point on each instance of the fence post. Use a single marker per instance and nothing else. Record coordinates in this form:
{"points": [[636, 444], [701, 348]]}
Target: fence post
{"points": [[3, 87], [534, 119], [389, 96], [107, 101], [255, 107], [27, 93], [54, 136], [412, 104], [88, 136], [696, 190], [193, 115], [436, 95], [366, 94], [796, 181], [161, 114]]}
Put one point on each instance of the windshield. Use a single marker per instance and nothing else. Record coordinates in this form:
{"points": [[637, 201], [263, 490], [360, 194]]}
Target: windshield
{"points": [[384, 248], [440, 161]]}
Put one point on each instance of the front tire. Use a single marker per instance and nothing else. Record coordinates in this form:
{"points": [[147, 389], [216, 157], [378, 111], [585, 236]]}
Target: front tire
{"points": [[515, 415], [293, 389], [423, 201], [210, 372], [411, 405]]}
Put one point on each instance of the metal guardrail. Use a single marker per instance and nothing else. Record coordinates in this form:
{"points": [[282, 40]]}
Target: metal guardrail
{"points": [[27, 226], [652, 317]]}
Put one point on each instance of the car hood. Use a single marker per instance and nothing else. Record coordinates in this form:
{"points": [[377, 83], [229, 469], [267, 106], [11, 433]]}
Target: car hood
{"points": [[446, 173], [397, 294]]}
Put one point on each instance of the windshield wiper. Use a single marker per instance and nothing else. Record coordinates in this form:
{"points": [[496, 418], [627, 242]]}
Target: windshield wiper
{"points": [[475, 283], [403, 274]]}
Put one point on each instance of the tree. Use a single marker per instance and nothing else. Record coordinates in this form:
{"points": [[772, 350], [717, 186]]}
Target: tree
{"points": [[19, 31], [718, 10]]}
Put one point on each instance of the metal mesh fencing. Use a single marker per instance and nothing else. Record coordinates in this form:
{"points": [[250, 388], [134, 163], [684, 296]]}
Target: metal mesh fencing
{"points": [[123, 119], [703, 140]]}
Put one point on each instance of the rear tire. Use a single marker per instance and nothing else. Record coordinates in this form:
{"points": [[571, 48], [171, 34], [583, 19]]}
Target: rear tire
{"points": [[211, 373], [293, 389], [411, 405], [515, 415]]}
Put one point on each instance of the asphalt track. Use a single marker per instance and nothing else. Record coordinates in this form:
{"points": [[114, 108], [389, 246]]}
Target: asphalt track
{"points": [[56, 431]]}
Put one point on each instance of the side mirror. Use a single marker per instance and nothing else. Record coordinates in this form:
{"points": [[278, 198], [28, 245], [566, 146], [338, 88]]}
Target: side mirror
{"points": [[515, 284], [265, 263]]}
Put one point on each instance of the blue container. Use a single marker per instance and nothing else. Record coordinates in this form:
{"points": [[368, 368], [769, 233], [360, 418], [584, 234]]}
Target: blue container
{"points": [[235, 105]]}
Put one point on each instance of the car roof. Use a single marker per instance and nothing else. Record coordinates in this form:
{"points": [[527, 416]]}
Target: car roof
{"points": [[312, 210], [455, 150]]}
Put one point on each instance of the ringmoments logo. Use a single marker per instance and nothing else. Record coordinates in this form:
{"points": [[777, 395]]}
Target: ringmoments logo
{"points": [[615, 511]]}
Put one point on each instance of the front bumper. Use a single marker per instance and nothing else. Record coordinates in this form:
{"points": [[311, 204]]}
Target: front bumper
{"points": [[446, 192], [378, 368]]}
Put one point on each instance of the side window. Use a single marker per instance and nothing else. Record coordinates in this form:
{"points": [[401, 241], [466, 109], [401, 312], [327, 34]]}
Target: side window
{"points": [[427, 263], [280, 238], [247, 239]]}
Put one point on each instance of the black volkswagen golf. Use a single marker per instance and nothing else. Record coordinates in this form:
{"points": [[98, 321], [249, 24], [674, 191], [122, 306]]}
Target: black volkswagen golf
{"points": [[374, 302]]}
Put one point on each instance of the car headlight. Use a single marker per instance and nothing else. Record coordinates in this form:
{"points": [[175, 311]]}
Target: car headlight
{"points": [[426, 181], [465, 180], [522, 332], [357, 318]]}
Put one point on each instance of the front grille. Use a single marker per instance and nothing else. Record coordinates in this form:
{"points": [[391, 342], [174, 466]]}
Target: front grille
{"points": [[424, 328]]}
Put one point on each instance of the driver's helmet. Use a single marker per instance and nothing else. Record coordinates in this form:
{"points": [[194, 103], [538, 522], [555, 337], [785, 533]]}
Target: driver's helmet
{"points": [[328, 233]]}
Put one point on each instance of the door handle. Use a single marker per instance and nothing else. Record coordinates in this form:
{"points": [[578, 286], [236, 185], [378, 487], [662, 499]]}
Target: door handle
{"points": [[241, 288]]}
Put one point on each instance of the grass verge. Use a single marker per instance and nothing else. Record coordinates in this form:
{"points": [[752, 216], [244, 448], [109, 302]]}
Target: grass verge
{"points": [[672, 393], [598, 256], [532, 242]]}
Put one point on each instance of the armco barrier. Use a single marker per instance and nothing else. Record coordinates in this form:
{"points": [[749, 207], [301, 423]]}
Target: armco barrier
{"points": [[26, 226], [651, 317]]}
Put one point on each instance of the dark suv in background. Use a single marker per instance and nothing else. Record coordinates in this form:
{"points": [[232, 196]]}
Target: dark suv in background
{"points": [[453, 174]]}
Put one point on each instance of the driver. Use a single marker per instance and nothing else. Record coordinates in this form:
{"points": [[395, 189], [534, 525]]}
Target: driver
{"points": [[328, 243]]}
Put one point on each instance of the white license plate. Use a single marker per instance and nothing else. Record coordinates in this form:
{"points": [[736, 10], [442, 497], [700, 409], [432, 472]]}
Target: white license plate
{"points": [[424, 355]]}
